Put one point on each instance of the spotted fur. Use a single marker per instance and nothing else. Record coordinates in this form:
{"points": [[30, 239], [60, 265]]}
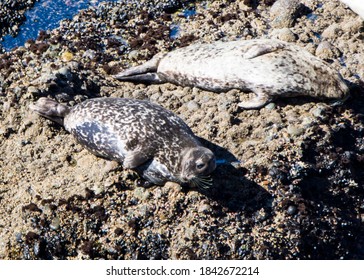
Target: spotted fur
{"points": [[139, 134], [269, 68]]}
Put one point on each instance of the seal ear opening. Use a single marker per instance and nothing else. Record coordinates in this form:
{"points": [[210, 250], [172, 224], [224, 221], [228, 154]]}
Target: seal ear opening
{"points": [[50, 109]]}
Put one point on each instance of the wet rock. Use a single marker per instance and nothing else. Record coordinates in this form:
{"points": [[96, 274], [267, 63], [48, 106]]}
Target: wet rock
{"points": [[292, 210], [55, 224]]}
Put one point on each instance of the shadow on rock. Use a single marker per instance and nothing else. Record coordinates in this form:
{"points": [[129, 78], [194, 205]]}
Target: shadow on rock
{"points": [[231, 189], [334, 192]]}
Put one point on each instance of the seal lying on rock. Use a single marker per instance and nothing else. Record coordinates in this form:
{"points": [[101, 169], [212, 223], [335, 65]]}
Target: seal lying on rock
{"points": [[268, 68], [140, 135]]}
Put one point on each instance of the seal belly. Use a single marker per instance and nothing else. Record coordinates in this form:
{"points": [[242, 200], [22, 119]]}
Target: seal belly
{"points": [[99, 139]]}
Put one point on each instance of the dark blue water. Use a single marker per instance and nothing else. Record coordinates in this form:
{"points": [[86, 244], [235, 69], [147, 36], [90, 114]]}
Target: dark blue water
{"points": [[175, 28], [46, 15]]}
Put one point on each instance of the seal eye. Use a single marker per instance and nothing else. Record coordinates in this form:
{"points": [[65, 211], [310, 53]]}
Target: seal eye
{"points": [[200, 166]]}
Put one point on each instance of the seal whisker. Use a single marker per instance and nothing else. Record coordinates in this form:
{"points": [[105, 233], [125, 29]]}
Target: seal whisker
{"points": [[202, 182]]}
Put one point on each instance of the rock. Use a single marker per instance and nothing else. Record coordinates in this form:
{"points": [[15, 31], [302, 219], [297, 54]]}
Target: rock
{"points": [[141, 193], [284, 34], [270, 106], [32, 90], [294, 130], [331, 31], [67, 56], [292, 210], [192, 105], [284, 13], [55, 223], [326, 51], [65, 71]]}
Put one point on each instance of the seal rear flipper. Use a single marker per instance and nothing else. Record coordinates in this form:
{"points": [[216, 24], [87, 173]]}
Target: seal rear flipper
{"points": [[257, 102], [147, 78], [150, 66], [50, 109]]}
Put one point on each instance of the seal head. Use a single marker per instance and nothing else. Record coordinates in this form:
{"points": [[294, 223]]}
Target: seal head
{"points": [[196, 166]]}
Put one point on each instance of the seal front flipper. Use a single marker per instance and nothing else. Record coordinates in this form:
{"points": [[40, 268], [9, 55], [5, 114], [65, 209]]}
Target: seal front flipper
{"points": [[261, 49], [261, 99], [134, 159]]}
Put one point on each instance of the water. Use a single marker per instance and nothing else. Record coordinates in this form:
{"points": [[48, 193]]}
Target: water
{"points": [[175, 28], [46, 15]]}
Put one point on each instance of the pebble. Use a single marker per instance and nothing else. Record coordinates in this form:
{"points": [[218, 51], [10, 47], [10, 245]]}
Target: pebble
{"points": [[318, 112], [326, 51], [97, 189], [19, 237], [292, 210], [284, 34], [141, 193], [32, 90], [294, 130], [67, 56], [65, 71], [270, 106], [133, 55], [55, 223], [192, 105]]}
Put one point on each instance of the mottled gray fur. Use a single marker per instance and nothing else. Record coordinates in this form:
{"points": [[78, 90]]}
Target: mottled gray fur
{"points": [[269, 68], [139, 134]]}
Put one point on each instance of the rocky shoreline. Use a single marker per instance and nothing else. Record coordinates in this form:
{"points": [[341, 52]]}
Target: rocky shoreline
{"points": [[12, 15], [290, 179]]}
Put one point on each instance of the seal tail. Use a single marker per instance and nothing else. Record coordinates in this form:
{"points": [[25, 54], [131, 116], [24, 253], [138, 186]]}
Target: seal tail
{"points": [[50, 109]]}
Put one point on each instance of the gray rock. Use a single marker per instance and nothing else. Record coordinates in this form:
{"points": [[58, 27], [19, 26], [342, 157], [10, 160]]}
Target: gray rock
{"points": [[192, 105], [285, 12], [284, 34], [326, 51]]}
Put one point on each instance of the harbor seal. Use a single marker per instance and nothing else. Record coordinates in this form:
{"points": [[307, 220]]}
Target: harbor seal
{"points": [[268, 68], [138, 134]]}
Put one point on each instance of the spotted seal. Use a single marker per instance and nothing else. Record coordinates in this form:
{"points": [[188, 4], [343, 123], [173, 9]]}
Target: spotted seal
{"points": [[138, 134], [269, 68]]}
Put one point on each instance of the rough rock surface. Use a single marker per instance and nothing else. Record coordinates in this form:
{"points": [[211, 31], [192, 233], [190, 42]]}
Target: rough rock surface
{"points": [[290, 179]]}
